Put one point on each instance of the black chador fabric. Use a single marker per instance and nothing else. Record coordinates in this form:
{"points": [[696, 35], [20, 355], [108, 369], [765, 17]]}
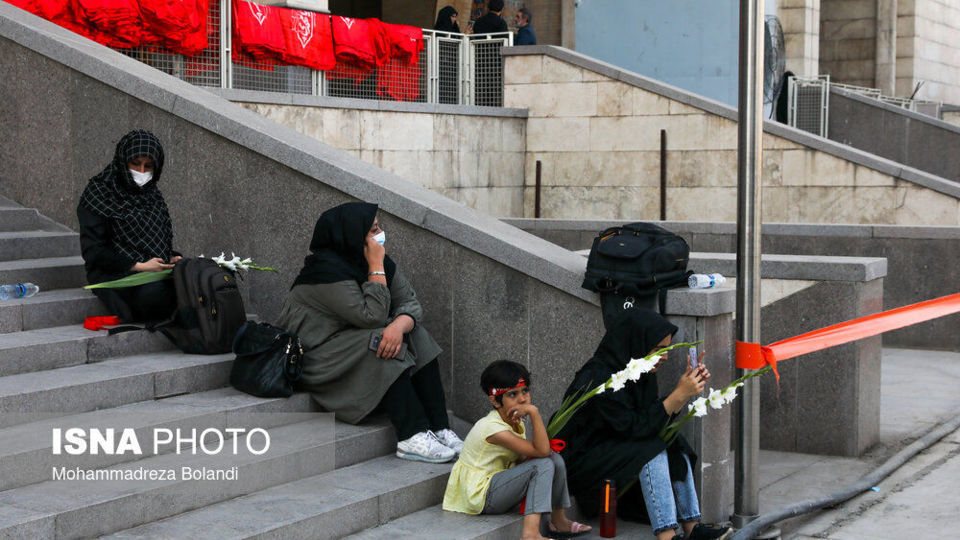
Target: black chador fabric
{"points": [[337, 247], [137, 218], [615, 434], [443, 20]]}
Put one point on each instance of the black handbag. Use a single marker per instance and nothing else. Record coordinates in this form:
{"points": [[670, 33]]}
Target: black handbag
{"points": [[269, 360]]}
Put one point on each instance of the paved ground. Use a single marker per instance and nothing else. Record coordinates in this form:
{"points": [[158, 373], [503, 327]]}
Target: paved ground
{"points": [[919, 389]]}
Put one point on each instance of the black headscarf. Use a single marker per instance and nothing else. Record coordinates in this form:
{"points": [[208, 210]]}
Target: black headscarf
{"points": [[443, 20], [337, 246], [139, 219], [632, 335]]}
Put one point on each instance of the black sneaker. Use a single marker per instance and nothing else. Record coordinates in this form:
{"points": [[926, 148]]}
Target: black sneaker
{"points": [[710, 532]]}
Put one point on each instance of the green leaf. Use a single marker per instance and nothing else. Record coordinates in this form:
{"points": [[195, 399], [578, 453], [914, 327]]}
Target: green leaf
{"points": [[133, 280]]}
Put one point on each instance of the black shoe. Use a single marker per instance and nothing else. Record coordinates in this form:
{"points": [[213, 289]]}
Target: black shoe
{"points": [[710, 532]]}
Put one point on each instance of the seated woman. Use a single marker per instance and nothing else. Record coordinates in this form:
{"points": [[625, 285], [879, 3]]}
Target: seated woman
{"points": [[614, 436], [500, 467], [125, 228], [349, 292]]}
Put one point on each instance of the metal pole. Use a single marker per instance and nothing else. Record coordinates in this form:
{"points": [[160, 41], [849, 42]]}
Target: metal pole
{"points": [[663, 175], [536, 192], [749, 154]]}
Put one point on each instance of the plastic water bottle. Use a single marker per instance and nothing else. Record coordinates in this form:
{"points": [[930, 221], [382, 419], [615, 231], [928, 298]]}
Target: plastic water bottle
{"points": [[20, 290], [705, 281]]}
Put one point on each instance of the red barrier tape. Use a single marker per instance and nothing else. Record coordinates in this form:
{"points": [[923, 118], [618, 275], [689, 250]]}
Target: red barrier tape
{"points": [[753, 356]]}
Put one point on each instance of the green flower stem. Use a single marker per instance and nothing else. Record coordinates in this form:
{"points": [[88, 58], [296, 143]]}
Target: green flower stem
{"points": [[133, 280]]}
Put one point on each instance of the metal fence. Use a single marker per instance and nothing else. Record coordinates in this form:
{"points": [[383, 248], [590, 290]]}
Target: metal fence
{"points": [[456, 69], [809, 102]]}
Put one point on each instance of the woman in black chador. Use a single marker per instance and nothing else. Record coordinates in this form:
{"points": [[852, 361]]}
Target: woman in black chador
{"points": [[125, 228], [615, 435]]}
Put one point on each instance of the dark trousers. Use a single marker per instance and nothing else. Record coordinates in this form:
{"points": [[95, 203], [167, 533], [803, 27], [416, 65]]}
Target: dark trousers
{"points": [[145, 303], [415, 402]]}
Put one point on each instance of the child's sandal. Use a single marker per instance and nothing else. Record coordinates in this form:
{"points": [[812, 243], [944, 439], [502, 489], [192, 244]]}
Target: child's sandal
{"points": [[576, 529]]}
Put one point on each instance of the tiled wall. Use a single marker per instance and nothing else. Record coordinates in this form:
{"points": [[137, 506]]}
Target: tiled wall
{"points": [[598, 140], [475, 160]]}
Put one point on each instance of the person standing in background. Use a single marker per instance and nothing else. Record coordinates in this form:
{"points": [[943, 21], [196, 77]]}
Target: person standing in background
{"points": [[525, 34], [492, 22]]}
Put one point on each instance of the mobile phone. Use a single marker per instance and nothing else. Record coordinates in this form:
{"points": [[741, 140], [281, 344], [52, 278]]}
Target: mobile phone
{"points": [[375, 345], [694, 358]]}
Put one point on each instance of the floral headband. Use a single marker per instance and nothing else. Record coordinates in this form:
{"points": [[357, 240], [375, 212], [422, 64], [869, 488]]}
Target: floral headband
{"points": [[494, 392]]}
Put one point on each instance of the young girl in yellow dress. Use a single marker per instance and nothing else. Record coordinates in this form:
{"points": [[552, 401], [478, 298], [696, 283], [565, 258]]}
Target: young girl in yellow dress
{"points": [[499, 467]]}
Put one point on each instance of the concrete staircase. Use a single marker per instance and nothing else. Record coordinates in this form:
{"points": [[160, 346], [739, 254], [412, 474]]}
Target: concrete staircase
{"points": [[319, 479]]}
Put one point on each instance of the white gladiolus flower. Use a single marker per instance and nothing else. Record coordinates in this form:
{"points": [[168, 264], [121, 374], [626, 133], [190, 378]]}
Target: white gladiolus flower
{"points": [[245, 264], [730, 393], [715, 398], [699, 406], [618, 380]]}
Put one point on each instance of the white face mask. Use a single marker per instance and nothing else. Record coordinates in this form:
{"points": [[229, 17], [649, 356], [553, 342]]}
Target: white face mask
{"points": [[380, 237], [141, 178]]}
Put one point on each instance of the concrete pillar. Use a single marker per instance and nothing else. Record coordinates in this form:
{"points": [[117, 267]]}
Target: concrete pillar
{"points": [[886, 57], [800, 20], [567, 21]]}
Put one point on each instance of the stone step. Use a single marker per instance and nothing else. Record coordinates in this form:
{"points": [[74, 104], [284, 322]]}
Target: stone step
{"points": [[48, 273], [65, 508], [38, 244], [61, 346], [31, 397], [433, 522], [330, 505], [8, 203], [17, 218], [58, 307], [26, 450]]}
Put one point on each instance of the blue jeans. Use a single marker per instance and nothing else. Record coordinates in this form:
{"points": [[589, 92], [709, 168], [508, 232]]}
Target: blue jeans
{"points": [[667, 502]]}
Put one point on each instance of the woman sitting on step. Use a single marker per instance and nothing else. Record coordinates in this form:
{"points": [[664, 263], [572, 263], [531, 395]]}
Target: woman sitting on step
{"points": [[359, 320], [615, 434], [125, 228]]}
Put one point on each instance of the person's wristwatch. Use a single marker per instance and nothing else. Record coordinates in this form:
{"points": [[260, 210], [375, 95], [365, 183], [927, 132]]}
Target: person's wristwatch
{"points": [[377, 273]]}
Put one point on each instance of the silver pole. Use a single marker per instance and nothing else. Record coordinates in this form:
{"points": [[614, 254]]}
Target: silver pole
{"points": [[749, 160]]}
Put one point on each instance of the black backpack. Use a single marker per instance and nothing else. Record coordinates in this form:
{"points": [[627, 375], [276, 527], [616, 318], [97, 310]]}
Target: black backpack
{"points": [[631, 266], [209, 308]]}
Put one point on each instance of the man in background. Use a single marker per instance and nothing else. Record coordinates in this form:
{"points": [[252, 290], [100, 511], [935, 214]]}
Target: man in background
{"points": [[491, 22], [525, 35]]}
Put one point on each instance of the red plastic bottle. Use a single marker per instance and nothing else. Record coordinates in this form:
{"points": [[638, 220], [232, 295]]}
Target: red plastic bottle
{"points": [[608, 509]]}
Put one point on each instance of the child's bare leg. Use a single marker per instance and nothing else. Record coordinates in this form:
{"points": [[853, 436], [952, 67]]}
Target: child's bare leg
{"points": [[531, 527], [559, 519], [688, 527]]}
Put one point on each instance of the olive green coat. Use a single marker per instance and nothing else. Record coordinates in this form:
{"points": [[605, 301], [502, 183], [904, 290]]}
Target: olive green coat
{"points": [[335, 322]]}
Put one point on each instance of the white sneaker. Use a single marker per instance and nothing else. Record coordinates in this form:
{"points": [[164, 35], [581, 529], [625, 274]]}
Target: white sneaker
{"points": [[449, 439], [424, 446]]}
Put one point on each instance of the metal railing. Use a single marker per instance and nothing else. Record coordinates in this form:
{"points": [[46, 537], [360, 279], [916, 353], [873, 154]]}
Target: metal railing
{"points": [[455, 69], [809, 102]]}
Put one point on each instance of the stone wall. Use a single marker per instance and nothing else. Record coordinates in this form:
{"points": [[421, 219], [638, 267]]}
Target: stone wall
{"points": [[474, 159], [910, 138], [847, 41], [931, 42], [923, 262], [800, 20], [596, 130]]}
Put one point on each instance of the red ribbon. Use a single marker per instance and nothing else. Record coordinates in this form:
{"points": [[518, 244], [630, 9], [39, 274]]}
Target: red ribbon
{"points": [[98, 323], [754, 356]]}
